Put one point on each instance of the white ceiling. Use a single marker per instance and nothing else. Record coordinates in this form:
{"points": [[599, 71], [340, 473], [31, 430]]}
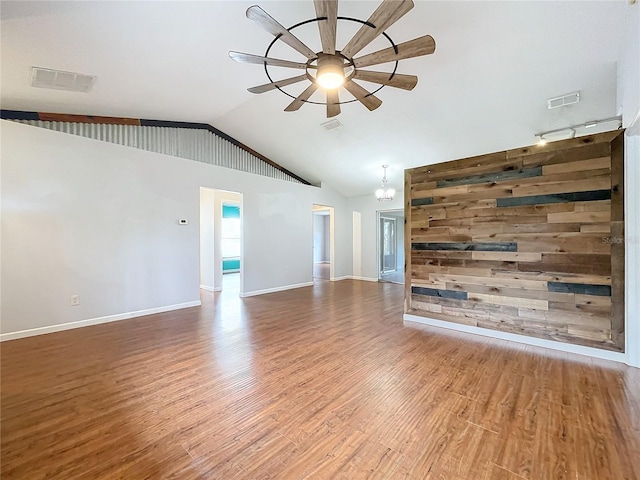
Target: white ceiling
{"points": [[483, 90]]}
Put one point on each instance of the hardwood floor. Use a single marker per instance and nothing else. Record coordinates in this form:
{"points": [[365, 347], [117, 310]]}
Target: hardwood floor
{"points": [[321, 271], [319, 382], [394, 277]]}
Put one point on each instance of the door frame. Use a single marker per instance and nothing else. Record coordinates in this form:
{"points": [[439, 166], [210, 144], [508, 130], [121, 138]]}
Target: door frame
{"points": [[379, 215], [315, 208]]}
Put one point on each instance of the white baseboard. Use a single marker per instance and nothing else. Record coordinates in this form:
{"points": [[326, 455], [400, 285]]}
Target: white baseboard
{"points": [[364, 279], [93, 321], [276, 289], [210, 289], [513, 337], [354, 277]]}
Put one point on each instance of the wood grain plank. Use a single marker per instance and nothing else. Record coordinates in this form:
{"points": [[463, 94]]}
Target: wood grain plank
{"points": [[579, 217], [507, 256], [543, 188], [556, 205], [570, 167]]}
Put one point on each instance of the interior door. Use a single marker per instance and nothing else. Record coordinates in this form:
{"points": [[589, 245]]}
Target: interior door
{"points": [[388, 250]]}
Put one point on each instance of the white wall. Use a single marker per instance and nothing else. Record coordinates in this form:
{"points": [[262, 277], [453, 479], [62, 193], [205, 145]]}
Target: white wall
{"points": [[368, 207], [321, 245], [327, 238], [357, 245], [207, 213], [400, 241], [629, 104], [100, 220]]}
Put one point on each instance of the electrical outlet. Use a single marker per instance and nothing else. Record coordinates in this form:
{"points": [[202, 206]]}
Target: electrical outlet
{"points": [[74, 300]]}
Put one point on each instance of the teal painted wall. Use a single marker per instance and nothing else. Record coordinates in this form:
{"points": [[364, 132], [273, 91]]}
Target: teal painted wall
{"points": [[230, 264]]}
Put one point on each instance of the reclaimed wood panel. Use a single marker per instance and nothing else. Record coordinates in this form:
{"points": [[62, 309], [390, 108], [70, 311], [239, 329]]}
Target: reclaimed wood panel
{"points": [[529, 241]]}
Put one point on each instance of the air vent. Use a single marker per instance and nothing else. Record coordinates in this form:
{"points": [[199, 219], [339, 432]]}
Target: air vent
{"points": [[564, 100], [59, 80], [331, 124]]}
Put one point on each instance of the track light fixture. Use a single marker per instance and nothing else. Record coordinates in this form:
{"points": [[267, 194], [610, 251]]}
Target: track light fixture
{"points": [[573, 129]]}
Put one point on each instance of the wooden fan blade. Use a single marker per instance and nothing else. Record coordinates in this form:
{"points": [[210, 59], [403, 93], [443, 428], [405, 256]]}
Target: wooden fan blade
{"points": [[388, 13], [329, 9], [367, 99], [413, 48], [333, 103], [406, 82], [269, 24], [248, 58], [280, 83], [303, 97]]}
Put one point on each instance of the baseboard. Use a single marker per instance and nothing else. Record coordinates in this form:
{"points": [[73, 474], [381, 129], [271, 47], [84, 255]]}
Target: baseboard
{"points": [[210, 289], [513, 337], [276, 289], [354, 277], [94, 321]]}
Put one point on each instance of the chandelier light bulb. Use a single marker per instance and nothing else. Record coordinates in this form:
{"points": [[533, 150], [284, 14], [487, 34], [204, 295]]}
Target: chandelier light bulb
{"points": [[385, 193]]}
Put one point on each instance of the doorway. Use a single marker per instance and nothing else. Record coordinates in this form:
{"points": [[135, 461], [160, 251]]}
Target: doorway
{"points": [[323, 238], [391, 246], [221, 256], [231, 244]]}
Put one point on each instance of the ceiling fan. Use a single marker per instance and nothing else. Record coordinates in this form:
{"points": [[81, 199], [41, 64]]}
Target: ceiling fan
{"points": [[331, 68]]}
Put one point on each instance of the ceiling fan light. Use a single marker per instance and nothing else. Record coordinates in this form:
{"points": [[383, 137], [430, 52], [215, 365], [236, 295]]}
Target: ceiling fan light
{"points": [[330, 72], [330, 80]]}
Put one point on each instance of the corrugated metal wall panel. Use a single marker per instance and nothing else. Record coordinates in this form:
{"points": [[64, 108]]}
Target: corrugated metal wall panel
{"points": [[194, 144]]}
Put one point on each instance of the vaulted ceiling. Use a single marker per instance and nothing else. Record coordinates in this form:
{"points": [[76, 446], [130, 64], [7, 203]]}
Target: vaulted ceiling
{"points": [[484, 89]]}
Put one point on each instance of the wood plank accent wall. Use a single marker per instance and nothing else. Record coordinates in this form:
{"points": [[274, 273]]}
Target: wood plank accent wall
{"points": [[527, 241]]}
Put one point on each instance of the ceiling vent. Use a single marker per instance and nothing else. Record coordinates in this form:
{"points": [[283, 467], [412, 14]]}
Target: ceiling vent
{"points": [[564, 100], [331, 124], [59, 80]]}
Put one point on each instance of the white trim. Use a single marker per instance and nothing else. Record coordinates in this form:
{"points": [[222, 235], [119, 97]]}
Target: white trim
{"points": [[276, 289], [354, 277], [632, 249], [210, 289], [364, 279], [94, 321], [539, 342]]}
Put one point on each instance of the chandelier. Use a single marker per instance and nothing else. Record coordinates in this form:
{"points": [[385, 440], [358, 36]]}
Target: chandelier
{"points": [[385, 194]]}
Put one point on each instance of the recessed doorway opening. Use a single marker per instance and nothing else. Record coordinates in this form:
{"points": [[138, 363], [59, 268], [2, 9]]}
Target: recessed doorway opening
{"points": [[391, 246], [323, 238], [221, 257]]}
